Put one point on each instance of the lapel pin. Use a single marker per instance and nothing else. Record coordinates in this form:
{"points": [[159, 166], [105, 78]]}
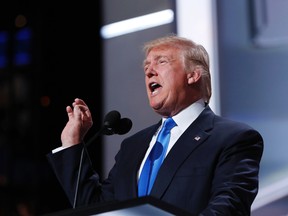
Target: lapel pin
{"points": [[197, 138]]}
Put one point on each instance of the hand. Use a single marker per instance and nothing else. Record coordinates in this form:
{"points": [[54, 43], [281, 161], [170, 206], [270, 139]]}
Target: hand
{"points": [[79, 122]]}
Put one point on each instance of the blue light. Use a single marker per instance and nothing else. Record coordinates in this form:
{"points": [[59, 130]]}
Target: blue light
{"points": [[3, 49], [22, 54]]}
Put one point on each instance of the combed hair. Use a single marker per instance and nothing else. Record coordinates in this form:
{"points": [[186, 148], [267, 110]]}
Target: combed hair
{"points": [[195, 55]]}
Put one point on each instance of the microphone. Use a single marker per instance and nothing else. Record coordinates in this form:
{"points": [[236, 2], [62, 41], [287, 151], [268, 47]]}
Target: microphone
{"points": [[110, 121], [123, 126], [113, 124]]}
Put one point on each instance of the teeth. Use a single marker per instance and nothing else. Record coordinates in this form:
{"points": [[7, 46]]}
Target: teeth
{"points": [[153, 85]]}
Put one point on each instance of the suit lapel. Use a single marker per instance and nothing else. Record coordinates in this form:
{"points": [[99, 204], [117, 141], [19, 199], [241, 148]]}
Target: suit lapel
{"points": [[194, 136]]}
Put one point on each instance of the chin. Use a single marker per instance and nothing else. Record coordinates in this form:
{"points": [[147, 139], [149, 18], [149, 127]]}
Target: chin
{"points": [[155, 106], [159, 110]]}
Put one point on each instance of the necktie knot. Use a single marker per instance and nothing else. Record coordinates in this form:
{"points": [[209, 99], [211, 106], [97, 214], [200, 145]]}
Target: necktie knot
{"points": [[164, 134], [169, 124]]}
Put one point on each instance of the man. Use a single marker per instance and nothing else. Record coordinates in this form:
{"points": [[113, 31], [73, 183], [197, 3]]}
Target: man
{"points": [[211, 165]]}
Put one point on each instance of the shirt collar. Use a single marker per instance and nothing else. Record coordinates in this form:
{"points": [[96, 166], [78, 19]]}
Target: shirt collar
{"points": [[184, 118]]}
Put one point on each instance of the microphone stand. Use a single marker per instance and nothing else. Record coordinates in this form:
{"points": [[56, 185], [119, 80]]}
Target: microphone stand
{"points": [[84, 149], [78, 177], [113, 124]]}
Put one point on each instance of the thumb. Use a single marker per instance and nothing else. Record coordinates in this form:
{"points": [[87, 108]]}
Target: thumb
{"points": [[69, 112]]}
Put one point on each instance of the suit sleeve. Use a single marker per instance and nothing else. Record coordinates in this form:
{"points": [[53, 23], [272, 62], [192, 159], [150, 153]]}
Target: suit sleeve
{"points": [[65, 165], [235, 182]]}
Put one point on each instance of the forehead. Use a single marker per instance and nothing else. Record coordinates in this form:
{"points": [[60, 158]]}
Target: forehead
{"points": [[162, 51]]}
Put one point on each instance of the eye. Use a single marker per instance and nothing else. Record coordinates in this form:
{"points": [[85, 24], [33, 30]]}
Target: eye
{"points": [[162, 61], [146, 66]]}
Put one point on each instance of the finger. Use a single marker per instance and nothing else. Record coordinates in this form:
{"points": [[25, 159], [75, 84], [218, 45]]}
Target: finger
{"points": [[85, 112], [84, 109], [68, 109], [79, 101], [69, 112], [77, 113]]}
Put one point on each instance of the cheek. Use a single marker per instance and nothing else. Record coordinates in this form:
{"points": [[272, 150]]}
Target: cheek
{"points": [[146, 82], [177, 83]]}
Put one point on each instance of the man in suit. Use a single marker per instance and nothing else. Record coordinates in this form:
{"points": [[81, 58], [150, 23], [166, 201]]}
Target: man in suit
{"points": [[212, 163]]}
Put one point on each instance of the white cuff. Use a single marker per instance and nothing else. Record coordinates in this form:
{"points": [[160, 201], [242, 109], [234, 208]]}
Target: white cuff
{"points": [[59, 149]]}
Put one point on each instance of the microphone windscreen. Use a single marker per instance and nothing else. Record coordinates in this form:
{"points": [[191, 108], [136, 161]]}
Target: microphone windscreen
{"points": [[124, 126], [111, 119]]}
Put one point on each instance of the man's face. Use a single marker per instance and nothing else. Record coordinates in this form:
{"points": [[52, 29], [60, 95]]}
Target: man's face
{"points": [[166, 81]]}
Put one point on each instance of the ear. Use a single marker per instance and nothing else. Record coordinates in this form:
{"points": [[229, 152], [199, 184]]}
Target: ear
{"points": [[194, 76]]}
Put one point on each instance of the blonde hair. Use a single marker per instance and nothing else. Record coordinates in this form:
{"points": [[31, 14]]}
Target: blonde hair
{"points": [[194, 55]]}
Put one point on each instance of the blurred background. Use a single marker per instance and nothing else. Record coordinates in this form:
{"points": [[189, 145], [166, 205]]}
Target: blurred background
{"points": [[51, 53]]}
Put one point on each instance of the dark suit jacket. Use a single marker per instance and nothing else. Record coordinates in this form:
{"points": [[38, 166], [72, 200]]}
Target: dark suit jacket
{"points": [[211, 170]]}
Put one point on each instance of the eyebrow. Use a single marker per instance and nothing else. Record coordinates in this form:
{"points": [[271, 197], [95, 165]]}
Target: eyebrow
{"points": [[146, 62]]}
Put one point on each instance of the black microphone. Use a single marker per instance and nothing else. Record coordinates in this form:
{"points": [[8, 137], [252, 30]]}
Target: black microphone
{"points": [[111, 121], [113, 124], [123, 126]]}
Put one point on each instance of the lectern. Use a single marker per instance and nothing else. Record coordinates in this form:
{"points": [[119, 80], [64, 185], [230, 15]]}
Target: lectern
{"points": [[143, 206]]}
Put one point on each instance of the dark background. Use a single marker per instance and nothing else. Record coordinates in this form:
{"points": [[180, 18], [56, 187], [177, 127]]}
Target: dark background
{"points": [[64, 50], [68, 59]]}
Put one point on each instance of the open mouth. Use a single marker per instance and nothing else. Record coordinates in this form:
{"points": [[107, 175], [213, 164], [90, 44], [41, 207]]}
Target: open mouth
{"points": [[154, 86]]}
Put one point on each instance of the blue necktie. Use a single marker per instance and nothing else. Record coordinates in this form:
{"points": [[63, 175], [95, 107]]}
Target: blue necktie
{"points": [[155, 159]]}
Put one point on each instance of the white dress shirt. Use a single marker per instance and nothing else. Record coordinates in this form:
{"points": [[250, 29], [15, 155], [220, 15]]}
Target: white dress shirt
{"points": [[183, 120]]}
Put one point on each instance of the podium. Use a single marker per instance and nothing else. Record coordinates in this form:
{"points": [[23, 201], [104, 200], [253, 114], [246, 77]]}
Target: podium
{"points": [[143, 206]]}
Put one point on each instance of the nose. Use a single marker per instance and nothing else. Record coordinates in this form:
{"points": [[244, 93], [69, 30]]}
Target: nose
{"points": [[150, 71]]}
